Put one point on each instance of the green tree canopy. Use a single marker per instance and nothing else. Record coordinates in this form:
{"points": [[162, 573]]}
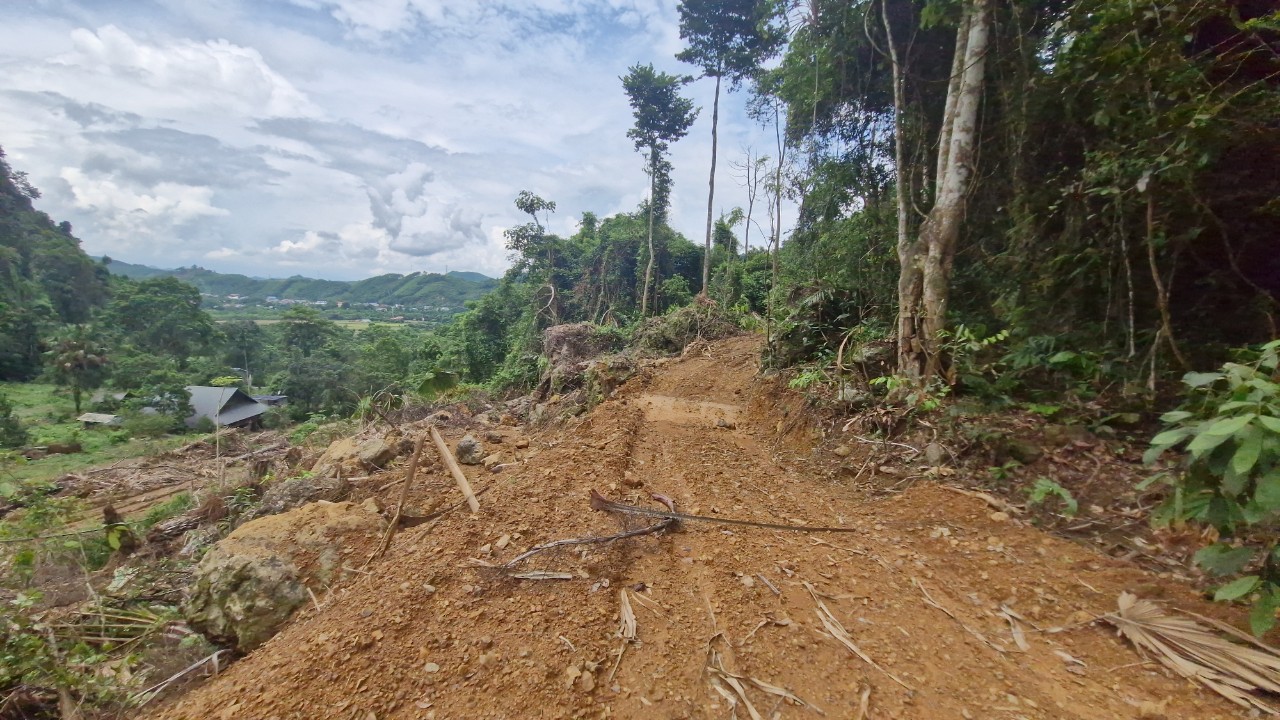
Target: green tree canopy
{"points": [[163, 316]]}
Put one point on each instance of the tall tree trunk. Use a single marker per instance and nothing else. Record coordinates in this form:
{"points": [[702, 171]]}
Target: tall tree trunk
{"points": [[751, 202], [711, 189], [648, 268], [941, 228], [777, 219], [909, 250], [953, 95]]}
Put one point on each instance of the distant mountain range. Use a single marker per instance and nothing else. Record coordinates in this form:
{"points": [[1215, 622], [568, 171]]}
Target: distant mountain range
{"points": [[413, 290]]}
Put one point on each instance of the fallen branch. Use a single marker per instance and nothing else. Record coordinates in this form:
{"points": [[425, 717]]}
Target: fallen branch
{"points": [[988, 498], [591, 540], [885, 443], [251, 453], [600, 502], [452, 464], [597, 539]]}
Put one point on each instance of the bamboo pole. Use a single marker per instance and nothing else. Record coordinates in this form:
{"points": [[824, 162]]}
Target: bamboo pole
{"points": [[452, 464]]}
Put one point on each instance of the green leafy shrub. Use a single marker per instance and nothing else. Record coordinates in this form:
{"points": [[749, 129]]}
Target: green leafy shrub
{"points": [[12, 433], [275, 418], [670, 333], [1229, 478], [147, 425]]}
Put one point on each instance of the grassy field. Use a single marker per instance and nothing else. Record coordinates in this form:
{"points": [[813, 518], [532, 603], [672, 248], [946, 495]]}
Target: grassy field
{"points": [[49, 415]]}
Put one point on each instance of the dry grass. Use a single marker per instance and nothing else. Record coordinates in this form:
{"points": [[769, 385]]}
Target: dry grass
{"points": [[838, 631]]}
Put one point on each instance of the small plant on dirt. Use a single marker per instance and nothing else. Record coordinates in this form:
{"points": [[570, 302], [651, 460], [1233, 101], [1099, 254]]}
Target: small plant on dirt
{"points": [[242, 500], [807, 378], [1045, 488], [1000, 473], [1229, 478], [912, 393]]}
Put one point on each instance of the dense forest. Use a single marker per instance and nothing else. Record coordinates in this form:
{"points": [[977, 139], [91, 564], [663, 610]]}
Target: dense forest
{"points": [[1092, 178]]}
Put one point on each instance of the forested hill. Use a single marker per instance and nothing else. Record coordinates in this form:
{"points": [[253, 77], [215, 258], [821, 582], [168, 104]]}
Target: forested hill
{"points": [[415, 289], [46, 279]]}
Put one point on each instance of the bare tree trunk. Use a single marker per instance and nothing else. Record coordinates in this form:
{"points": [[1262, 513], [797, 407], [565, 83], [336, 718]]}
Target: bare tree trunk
{"points": [[953, 94], [909, 251], [648, 268], [1162, 293], [753, 183], [711, 189], [941, 228], [777, 216]]}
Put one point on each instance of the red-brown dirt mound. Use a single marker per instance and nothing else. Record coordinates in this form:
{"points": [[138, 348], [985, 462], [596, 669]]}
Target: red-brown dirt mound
{"points": [[919, 587]]}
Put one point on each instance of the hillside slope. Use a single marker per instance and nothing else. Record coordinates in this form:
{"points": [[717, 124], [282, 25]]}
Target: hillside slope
{"points": [[431, 633], [414, 289]]}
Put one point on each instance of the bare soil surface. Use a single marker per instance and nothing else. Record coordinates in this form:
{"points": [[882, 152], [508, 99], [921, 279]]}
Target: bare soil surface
{"points": [[928, 586]]}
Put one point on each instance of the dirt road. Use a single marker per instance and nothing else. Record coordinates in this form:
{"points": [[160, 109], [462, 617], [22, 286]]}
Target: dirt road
{"points": [[919, 588]]}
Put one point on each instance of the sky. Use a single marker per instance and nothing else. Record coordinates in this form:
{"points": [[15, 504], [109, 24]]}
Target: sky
{"points": [[343, 138]]}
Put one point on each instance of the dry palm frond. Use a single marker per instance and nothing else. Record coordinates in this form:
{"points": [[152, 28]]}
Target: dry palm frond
{"points": [[627, 625], [1230, 669]]}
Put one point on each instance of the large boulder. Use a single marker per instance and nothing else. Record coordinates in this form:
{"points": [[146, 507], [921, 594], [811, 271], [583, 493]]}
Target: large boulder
{"points": [[349, 457], [248, 584], [298, 491], [469, 451]]}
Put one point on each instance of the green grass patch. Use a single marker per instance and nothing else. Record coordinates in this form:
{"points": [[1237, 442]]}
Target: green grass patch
{"points": [[172, 507], [49, 416], [35, 403]]}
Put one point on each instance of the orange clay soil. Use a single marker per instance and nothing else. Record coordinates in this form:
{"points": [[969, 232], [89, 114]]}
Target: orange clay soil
{"points": [[432, 634]]}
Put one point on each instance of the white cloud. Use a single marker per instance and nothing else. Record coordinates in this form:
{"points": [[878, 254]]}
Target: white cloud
{"points": [[340, 138], [130, 211], [215, 73]]}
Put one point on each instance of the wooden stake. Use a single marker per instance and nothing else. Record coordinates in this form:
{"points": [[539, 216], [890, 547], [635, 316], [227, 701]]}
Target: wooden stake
{"points": [[404, 493], [463, 485]]}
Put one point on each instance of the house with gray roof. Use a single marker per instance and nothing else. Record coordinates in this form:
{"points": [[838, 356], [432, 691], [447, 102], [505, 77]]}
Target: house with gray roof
{"points": [[224, 406]]}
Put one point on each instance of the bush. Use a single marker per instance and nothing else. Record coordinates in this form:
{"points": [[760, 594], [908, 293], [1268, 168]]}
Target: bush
{"points": [[1230, 476], [12, 433], [275, 418], [147, 425], [672, 332]]}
